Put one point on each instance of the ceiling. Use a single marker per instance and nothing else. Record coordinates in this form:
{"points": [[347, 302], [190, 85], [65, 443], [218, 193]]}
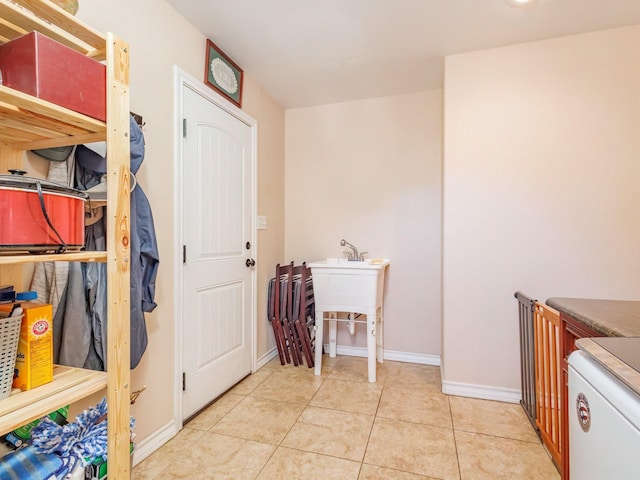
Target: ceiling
{"points": [[313, 52]]}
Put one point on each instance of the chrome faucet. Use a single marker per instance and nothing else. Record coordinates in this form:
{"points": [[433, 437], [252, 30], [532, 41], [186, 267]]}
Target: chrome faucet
{"points": [[353, 255]]}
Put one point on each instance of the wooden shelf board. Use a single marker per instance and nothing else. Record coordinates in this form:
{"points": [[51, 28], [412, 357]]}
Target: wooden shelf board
{"points": [[9, 259], [49, 11], [43, 122], [69, 31], [30, 122], [59, 142], [68, 386]]}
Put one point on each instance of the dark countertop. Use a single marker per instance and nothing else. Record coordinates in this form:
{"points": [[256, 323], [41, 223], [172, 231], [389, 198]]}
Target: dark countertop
{"points": [[611, 318]]}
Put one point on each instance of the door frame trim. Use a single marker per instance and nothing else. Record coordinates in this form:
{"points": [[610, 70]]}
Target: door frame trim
{"points": [[183, 80]]}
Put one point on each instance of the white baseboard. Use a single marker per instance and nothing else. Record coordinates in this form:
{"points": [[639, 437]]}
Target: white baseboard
{"points": [[266, 358], [393, 355], [154, 441], [450, 388], [481, 391]]}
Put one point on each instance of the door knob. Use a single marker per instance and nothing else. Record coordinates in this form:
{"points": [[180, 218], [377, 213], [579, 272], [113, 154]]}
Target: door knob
{"points": [[250, 262]]}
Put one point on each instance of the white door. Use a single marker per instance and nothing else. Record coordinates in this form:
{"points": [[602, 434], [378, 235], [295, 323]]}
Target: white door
{"points": [[217, 214]]}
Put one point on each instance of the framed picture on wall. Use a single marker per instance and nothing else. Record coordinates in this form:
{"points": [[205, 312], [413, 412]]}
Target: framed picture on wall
{"points": [[222, 74]]}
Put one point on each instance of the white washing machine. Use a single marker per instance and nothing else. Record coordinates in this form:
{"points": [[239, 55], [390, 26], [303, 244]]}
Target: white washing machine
{"points": [[604, 415]]}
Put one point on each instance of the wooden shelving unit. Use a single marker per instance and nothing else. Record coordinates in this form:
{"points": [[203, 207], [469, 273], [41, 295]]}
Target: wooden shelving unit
{"points": [[28, 123]]}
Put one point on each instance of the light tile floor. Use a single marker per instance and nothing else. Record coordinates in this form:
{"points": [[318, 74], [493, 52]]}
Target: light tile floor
{"points": [[283, 422]]}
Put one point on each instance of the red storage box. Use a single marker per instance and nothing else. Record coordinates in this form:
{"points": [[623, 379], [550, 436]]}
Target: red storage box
{"points": [[44, 68]]}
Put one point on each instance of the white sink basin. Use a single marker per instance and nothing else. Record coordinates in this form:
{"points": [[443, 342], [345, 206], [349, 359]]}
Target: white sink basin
{"points": [[344, 286]]}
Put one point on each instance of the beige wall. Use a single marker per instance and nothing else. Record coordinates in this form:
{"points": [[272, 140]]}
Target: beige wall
{"points": [[370, 171], [270, 118], [541, 175], [159, 39]]}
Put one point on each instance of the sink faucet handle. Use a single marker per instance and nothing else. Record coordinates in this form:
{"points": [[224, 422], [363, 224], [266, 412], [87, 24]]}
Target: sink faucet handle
{"points": [[353, 255], [362, 254]]}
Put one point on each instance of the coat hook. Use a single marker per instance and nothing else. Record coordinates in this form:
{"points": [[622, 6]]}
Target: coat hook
{"points": [[138, 119]]}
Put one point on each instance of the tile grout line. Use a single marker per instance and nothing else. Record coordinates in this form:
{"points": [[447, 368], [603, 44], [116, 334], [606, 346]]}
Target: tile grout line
{"points": [[236, 405], [455, 441], [290, 428], [375, 415]]}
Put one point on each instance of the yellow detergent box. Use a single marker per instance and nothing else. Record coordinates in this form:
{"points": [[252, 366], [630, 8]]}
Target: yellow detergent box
{"points": [[34, 363]]}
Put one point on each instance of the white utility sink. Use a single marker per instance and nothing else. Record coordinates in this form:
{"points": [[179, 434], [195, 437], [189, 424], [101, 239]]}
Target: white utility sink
{"points": [[341, 285]]}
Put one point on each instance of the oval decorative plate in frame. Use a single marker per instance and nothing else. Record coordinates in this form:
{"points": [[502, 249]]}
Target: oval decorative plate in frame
{"points": [[222, 74]]}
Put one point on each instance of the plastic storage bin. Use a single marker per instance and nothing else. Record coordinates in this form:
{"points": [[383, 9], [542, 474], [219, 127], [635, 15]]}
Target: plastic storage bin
{"points": [[9, 336]]}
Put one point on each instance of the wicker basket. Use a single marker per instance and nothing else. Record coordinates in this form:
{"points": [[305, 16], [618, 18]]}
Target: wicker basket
{"points": [[9, 336]]}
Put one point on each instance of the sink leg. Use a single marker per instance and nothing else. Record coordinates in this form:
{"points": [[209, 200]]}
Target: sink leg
{"points": [[333, 333], [371, 344], [380, 335], [318, 346]]}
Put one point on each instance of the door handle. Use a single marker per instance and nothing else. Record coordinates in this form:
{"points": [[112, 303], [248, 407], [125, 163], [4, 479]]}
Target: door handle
{"points": [[250, 262]]}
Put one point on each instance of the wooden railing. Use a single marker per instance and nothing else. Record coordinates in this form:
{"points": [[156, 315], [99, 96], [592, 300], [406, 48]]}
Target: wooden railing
{"points": [[548, 378]]}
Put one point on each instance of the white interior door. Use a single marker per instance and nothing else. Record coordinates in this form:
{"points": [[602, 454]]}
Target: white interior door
{"points": [[217, 215]]}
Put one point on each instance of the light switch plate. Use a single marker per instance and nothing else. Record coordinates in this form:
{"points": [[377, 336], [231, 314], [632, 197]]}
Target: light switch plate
{"points": [[261, 222]]}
